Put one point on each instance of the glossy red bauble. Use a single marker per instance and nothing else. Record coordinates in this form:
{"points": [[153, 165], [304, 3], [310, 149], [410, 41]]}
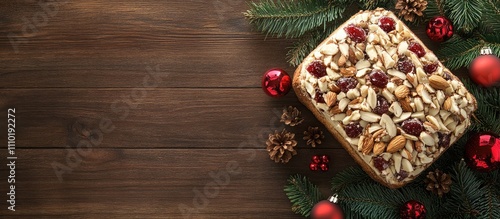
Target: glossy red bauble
{"points": [[439, 29], [482, 152], [276, 82], [326, 210], [316, 159], [323, 167], [413, 210], [485, 70], [313, 166]]}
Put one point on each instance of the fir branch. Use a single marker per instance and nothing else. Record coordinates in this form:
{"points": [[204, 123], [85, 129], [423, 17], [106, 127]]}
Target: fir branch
{"points": [[348, 177], [467, 195], [293, 18], [434, 8], [490, 25], [372, 4], [302, 194], [488, 107], [465, 14], [459, 52]]}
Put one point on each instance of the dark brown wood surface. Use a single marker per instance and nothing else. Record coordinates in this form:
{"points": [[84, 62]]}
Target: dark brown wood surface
{"points": [[165, 94]]}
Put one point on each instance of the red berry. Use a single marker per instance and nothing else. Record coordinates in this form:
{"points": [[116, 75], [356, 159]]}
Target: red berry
{"points": [[357, 34], [380, 163], [316, 159], [382, 105], [444, 140], [353, 129], [323, 167], [405, 65], [319, 97], [345, 84], [412, 126], [325, 159], [379, 78], [417, 49], [401, 175], [317, 69], [387, 24], [313, 166], [430, 68]]}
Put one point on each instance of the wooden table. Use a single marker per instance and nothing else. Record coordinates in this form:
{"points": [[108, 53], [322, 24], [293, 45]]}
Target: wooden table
{"points": [[145, 109]]}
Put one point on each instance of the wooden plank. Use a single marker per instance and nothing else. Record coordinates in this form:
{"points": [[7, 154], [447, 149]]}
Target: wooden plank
{"points": [[157, 118], [111, 43], [153, 183]]}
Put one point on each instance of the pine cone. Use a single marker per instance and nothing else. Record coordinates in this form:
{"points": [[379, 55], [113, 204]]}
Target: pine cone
{"points": [[438, 182], [410, 9], [280, 146], [313, 136], [291, 116]]}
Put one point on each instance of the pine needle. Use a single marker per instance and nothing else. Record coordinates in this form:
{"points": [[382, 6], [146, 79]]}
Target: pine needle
{"points": [[459, 52], [293, 18], [302, 194], [465, 14]]}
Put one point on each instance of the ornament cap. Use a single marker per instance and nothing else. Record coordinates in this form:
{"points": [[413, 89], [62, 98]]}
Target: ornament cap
{"points": [[334, 198], [486, 51]]}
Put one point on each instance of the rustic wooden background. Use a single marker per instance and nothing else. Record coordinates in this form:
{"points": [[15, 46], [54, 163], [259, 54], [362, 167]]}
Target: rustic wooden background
{"points": [[67, 66]]}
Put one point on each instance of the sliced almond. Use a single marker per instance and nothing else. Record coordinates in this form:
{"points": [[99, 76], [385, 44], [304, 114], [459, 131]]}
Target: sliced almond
{"points": [[343, 104], [406, 165], [344, 49], [396, 144], [367, 147], [396, 157], [335, 110], [372, 98], [362, 64], [396, 73], [342, 61], [447, 104], [388, 124], [427, 139], [330, 49], [396, 109], [369, 116], [404, 116], [405, 104], [438, 82]]}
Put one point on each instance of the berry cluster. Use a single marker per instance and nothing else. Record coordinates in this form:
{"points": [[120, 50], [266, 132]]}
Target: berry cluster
{"points": [[319, 163]]}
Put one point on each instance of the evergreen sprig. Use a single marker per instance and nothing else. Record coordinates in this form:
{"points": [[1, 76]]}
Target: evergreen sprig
{"points": [[291, 18], [465, 14], [459, 52], [303, 194]]}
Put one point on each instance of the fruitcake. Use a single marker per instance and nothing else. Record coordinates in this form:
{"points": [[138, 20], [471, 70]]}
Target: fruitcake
{"points": [[385, 96]]}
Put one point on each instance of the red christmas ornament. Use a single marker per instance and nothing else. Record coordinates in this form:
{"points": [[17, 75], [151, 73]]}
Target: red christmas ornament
{"points": [[327, 209], [412, 210], [276, 82], [313, 166], [439, 29], [482, 152], [485, 69], [323, 167]]}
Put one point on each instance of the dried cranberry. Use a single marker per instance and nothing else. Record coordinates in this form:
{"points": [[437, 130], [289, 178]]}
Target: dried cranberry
{"points": [[382, 105], [412, 126], [357, 34], [430, 68], [353, 129], [387, 24], [380, 163], [345, 84], [379, 78], [317, 69], [319, 97], [405, 65], [402, 175], [417, 49], [444, 140]]}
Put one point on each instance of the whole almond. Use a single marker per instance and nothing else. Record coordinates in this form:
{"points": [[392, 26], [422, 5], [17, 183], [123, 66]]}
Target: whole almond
{"points": [[447, 104], [367, 147], [334, 88], [396, 144], [379, 148], [331, 98], [438, 82], [402, 91]]}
